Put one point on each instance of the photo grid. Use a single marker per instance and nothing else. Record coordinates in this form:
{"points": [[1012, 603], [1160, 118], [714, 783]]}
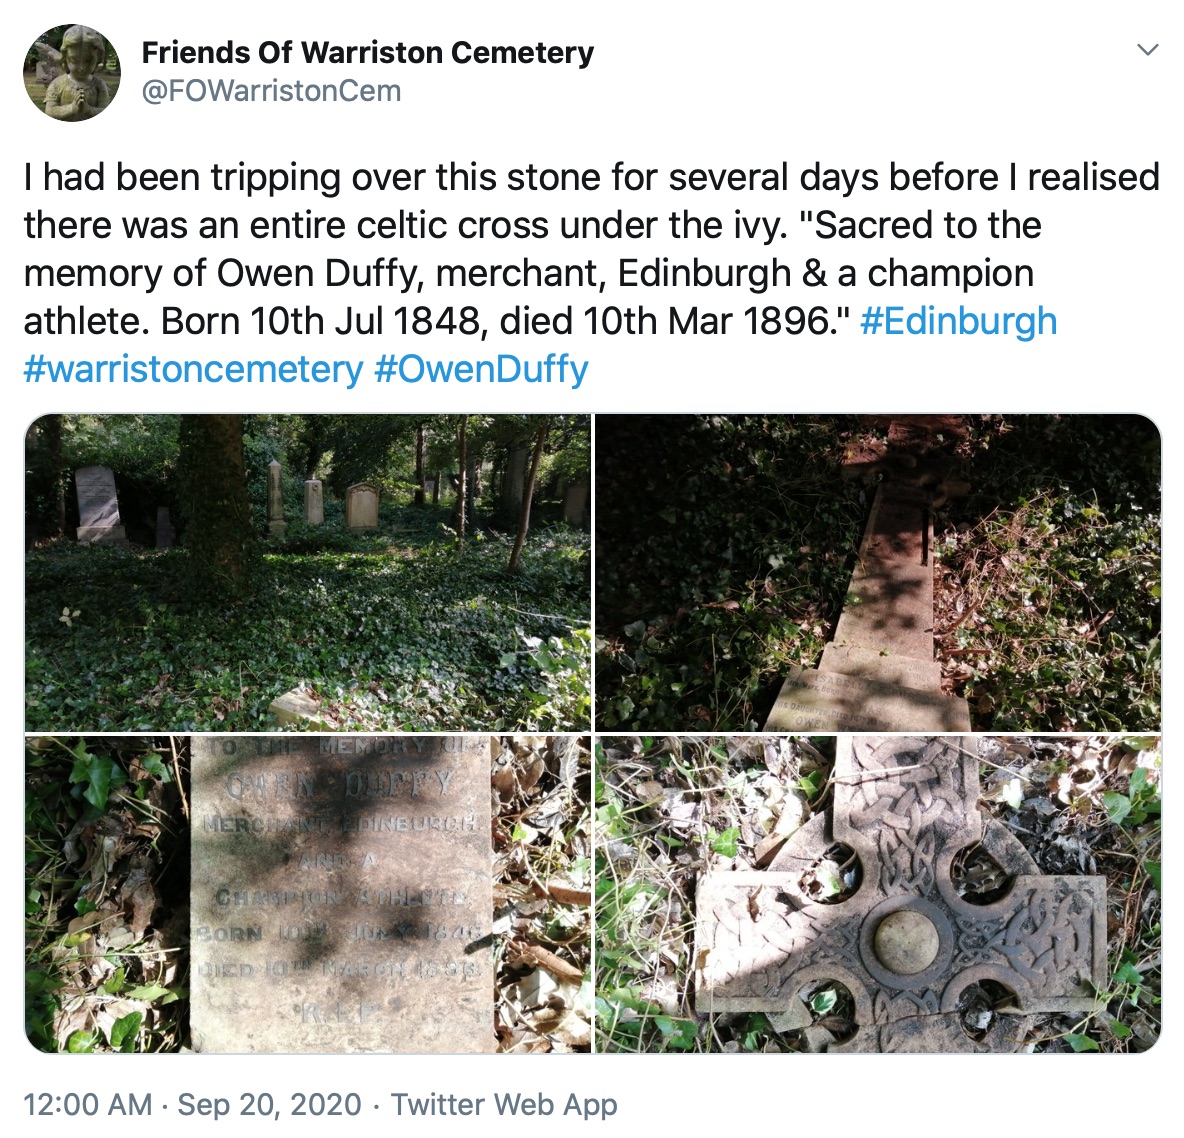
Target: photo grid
{"points": [[625, 735]]}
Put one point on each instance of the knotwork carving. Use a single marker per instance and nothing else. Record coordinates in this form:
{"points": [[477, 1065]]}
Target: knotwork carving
{"points": [[906, 806]]}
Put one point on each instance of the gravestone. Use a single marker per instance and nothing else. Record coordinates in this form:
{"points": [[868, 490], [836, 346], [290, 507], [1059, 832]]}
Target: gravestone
{"points": [[906, 945], [277, 526], [314, 502], [826, 701], [98, 507], [575, 504], [164, 528], [878, 673], [341, 894], [361, 506]]}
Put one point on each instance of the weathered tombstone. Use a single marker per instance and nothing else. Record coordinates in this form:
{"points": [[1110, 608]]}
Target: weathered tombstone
{"points": [[879, 674], [164, 528], [575, 504], [276, 525], [98, 507], [907, 945], [361, 506], [314, 502], [341, 891], [827, 701]]}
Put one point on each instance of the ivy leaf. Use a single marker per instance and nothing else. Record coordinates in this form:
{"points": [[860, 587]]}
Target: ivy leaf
{"points": [[1082, 1043], [81, 1042], [125, 1029], [1118, 806], [1127, 973], [726, 844], [824, 1001]]}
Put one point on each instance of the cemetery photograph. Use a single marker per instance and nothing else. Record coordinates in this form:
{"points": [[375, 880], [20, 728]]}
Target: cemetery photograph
{"points": [[325, 893], [878, 893], [921, 573], [316, 572]]}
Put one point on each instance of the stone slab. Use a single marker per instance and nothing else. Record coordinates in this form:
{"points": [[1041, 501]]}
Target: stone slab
{"points": [[314, 502], [361, 506], [906, 944], [296, 708], [98, 505], [902, 671], [341, 893], [164, 528], [890, 603], [831, 701]]}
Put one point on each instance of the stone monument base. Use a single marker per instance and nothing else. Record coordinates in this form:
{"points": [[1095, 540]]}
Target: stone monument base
{"points": [[111, 535]]}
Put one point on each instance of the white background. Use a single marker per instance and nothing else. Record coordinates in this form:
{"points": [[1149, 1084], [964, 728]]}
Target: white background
{"points": [[742, 84]]}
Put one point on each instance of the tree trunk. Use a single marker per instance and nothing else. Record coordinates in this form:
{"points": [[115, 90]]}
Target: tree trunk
{"points": [[213, 482], [436, 489], [462, 466], [419, 441], [527, 495], [52, 427]]}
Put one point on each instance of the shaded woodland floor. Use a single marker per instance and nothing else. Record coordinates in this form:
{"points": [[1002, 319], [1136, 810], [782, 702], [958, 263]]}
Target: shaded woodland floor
{"points": [[390, 630], [725, 546]]}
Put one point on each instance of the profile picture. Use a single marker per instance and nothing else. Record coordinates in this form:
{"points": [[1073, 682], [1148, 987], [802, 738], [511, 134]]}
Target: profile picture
{"points": [[72, 73]]}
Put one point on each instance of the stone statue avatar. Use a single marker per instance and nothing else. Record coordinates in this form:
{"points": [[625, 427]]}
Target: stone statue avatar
{"points": [[79, 93]]}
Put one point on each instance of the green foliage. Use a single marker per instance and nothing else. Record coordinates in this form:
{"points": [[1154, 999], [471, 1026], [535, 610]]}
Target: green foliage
{"points": [[725, 844], [122, 1034], [94, 777], [725, 547], [418, 636], [1134, 807], [1058, 559]]}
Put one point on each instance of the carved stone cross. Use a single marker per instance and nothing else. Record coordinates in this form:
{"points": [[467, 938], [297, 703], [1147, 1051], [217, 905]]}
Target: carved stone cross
{"points": [[906, 945]]}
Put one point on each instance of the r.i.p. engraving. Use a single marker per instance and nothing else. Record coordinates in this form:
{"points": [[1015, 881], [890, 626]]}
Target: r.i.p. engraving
{"points": [[906, 945], [341, 889]]}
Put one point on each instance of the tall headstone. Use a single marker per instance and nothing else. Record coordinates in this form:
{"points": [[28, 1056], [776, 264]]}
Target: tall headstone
{"points": [[276, 524], [98, 507], [164, 528], [314, 502], [341, 894], [575, 504], [361, 506]]}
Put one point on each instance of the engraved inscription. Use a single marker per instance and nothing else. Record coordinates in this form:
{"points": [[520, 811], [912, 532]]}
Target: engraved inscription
{"points": [[340, 887]]}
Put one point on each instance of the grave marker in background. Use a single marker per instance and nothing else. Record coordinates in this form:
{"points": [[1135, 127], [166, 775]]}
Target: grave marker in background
{"points": [[98, 506], [164, 528], [361, 506], [314, 502], [339, 885], [277, 526]]}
